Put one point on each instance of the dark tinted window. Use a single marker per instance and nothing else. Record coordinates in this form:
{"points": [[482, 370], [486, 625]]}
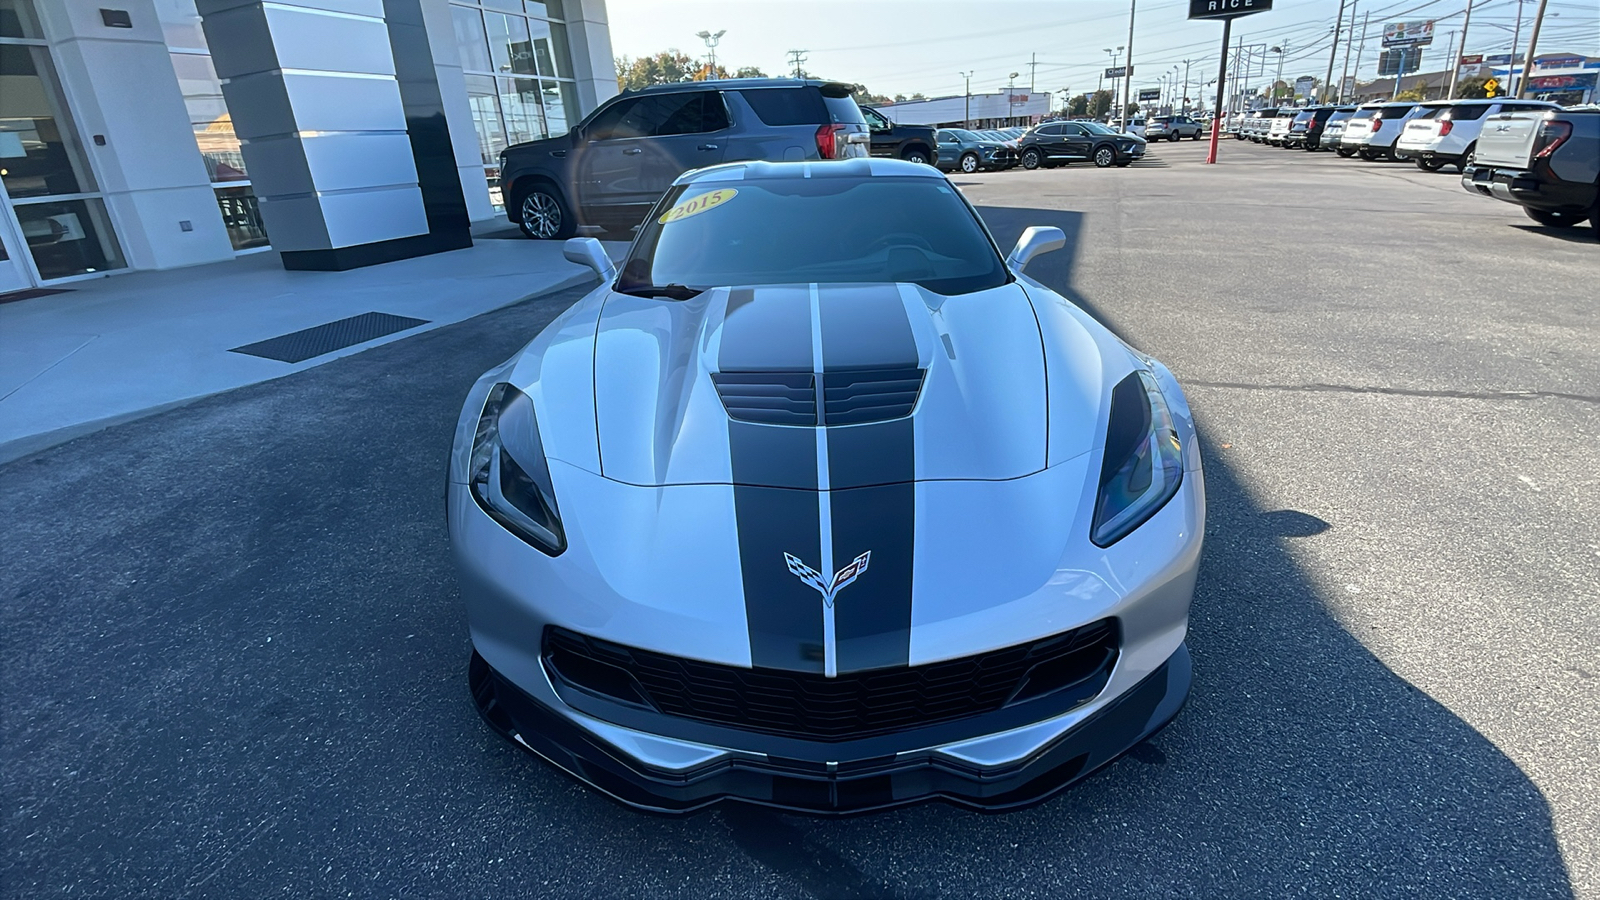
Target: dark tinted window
{"points": [[1072, 130], [700, 112], [1362, 114], [1305, 117], [843, 110], [1394, 112], [787, 106], [1052, 130], [819, 229], [605, 124]]}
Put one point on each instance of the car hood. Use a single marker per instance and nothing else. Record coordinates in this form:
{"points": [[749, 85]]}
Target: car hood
{"points": [[722, 388]]}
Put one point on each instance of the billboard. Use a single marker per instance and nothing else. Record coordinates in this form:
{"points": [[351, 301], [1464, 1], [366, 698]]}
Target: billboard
{"points": [[1149, 94], [1117, 72], [1474, 60], [1391, 61], [1226, 9], [1408, 34]]}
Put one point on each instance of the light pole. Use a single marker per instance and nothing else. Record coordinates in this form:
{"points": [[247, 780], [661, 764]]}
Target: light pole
{"points": [[967, 76], [1115, 55], [712, 40], [1282, 52], [1186, 87], [1172, 90], [1011, 97], [1455, 64], [1516, 38]]}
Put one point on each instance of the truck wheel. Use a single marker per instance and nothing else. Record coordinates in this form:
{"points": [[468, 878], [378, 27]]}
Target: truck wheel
{"points": [[543, 214], [1555, 218], [916, 155]]}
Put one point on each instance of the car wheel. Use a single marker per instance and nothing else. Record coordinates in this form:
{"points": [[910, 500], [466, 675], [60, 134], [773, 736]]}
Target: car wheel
{"points": [[543, 215], [1344, 153], [1104, 156], [1471, 157], [1555, 218], [1173, 137], [1031, 159], [969, 163], [1429, 165], [916, 155]]}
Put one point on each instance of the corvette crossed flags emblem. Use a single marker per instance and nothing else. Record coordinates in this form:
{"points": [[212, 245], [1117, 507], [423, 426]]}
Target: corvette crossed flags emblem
{"points": [[841, 578]]}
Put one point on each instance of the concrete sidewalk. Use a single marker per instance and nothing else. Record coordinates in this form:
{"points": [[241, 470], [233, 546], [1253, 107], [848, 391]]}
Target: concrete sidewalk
{"points": [[130, 345]]}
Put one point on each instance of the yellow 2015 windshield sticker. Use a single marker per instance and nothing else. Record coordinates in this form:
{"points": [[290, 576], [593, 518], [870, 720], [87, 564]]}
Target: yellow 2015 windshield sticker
{"points": [[697, 204]]}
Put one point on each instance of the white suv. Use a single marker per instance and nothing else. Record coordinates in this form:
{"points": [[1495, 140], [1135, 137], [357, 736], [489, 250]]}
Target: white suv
{"points": [[1278, 125], [1375, 127], [1445, 132]]}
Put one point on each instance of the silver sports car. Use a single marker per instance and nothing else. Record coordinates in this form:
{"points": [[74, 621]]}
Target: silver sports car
{"points": [[820, 503]]}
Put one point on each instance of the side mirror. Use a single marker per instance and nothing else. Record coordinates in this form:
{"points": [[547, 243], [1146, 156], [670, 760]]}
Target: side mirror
{"points": [[1034, 241], [586, 251]]}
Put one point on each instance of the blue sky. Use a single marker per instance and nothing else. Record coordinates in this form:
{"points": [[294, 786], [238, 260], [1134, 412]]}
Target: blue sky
{"points": [[907, 46]]}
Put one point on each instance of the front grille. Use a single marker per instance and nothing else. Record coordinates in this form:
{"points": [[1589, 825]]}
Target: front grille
{"points": [[790, 398], [1072, 667]]}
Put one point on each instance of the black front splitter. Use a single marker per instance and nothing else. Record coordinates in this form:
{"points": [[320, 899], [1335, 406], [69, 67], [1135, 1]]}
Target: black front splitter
{"points": [[838, 787]]}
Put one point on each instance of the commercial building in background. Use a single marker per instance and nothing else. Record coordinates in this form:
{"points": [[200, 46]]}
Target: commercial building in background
{"points": [[1001, 109], [149, 134]]}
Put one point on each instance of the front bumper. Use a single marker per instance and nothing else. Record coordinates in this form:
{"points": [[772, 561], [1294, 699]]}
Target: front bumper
{"points": [[955, 773], [1535, 188]]}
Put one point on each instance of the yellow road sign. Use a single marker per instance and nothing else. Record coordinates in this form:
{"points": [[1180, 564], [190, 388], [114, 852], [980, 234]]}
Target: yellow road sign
{"points": [[1491, 86]]}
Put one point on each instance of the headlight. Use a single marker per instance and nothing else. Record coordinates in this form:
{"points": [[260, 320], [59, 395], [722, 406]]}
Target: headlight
{"points": [[509, 477], [1143, 463]]}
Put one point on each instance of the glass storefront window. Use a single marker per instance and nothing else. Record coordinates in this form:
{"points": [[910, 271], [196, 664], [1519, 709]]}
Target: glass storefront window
{"points": [[241, 214], [470, 40], [69, 237], [519, 101], [510, 52], [18, 20], [39, 155], [550, 48], [208, 116], [483, 97], [560, 106]]}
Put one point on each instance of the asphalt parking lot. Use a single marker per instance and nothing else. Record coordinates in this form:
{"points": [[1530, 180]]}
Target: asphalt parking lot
{"points": [[234, 660]]}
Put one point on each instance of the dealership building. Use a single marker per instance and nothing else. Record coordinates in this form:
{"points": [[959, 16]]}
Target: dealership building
{"points": [[151, 134], [1001, 109]]}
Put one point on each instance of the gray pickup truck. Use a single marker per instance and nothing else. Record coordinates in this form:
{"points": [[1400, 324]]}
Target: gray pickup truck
{"points": [[1546, 162]]}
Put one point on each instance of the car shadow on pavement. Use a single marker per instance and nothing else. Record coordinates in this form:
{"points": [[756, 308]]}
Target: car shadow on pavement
{"points": [[234, 664]]}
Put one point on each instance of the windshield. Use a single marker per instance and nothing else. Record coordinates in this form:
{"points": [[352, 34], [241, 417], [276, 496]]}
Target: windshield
{"points": [[1097, 128], [839, 230]]}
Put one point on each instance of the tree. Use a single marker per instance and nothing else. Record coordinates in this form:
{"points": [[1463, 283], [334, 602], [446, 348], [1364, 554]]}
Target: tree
{"points": [[864, 97], [666, 67], [1133, 109], [1078, 106], [1101, 104], [749, 72], [1472, 88]]}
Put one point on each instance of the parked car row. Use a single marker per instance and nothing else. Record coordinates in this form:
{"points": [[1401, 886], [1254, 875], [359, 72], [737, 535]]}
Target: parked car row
{"points": [[1538, 155], [612, 167]]}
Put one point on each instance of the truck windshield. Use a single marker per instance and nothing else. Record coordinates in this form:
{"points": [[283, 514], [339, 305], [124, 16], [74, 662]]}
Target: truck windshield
{"points": [[829, 228]]}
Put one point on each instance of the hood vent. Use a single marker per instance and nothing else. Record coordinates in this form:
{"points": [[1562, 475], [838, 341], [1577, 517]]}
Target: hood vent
{"points": [[848, 398]]}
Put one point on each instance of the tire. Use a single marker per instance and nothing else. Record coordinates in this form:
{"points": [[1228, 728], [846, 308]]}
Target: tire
{"points": [[1344, 153], [1032, 159], [1367, 155], [1174, 137], [1468, 158], [1555, 218], [1105, 156], [916, 155], [543, 214], [969, 163], [1429, 165]]}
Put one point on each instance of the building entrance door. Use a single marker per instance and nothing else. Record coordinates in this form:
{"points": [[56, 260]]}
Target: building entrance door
{"points": [[14, 274]]}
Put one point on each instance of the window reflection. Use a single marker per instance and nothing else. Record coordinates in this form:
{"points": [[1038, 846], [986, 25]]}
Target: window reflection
{"points": [[483, 97], [69, 237], [37, 152], [519, 100], [208, 116]]}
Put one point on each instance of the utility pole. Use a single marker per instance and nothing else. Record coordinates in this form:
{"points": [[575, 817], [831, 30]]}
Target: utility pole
{"points": [[1333, 52], [1349, 38], [1513, 89], [1533, 47], [1450, 69], [1127, 80], [1186, 86], [796, 57], [1033, 64], [1366, 19], [1115, 55], [1238, 86], [1455, 64], [967, 120]]}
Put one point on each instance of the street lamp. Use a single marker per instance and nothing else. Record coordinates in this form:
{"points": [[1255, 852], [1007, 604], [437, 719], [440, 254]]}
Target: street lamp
{"points": [[712, 40], [1115, 55], [1011, 97], [1282, 52]]}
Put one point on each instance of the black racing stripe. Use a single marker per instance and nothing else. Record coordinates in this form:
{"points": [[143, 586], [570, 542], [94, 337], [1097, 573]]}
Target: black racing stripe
{"points": [[865, 455], [784, 615], [865, 327], [767, 329], [872, 617]]}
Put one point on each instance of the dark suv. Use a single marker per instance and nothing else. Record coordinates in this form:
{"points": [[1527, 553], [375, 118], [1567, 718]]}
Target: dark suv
{"points": [[912, 143], [1306, 129], [613, 166], [1059, 143]]}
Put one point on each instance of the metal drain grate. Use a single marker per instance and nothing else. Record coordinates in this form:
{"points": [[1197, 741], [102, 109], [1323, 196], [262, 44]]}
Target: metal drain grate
{"points": [[299, 346]]}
